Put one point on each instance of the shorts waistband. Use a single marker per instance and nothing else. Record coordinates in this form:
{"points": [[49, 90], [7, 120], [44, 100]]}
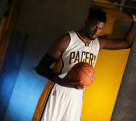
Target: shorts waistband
{"points": [[70, 90]]}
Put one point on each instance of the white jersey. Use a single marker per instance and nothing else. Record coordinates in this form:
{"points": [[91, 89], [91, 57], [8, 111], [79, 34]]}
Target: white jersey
{"points": [[77, 51]]}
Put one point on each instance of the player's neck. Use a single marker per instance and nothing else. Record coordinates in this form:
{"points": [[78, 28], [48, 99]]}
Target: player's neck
{"points": [[82, 34]]}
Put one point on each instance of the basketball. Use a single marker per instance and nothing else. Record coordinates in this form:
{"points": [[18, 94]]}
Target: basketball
{"points": [[84, 72]]}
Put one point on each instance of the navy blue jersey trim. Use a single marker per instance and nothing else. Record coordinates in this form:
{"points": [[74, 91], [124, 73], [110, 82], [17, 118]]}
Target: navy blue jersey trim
{"points": [[62, 64]]}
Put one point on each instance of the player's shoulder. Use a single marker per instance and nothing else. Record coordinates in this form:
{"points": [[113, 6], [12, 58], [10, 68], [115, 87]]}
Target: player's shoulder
{"points": [[63, 41], [102, 41], [101, 38], [64, 37], [69, 34]]}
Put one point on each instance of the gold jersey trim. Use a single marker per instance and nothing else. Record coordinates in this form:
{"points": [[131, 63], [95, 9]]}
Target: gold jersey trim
{"points": [[86, 43], [42, 101]]}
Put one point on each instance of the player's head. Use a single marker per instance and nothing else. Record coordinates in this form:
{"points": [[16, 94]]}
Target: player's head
{"points": [[97, 14], [95, 23]]}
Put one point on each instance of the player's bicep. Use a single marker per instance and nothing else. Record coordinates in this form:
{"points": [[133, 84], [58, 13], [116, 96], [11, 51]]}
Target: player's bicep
{"points": [[113, 44], [59, 46]]}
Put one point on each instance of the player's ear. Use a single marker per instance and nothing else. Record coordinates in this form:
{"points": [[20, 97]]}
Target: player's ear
{"points": [[86, 21]]}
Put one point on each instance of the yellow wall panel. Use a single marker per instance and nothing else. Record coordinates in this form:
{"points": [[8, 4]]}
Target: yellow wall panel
{"points": [[100, 97]]}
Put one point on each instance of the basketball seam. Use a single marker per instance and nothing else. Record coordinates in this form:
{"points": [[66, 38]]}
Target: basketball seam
{"points": [[85, 73]]}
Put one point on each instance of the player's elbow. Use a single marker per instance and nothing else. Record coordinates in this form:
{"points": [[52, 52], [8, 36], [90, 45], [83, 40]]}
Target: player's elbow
{"points": [[38, 70], [129, 40], [127, 44]]}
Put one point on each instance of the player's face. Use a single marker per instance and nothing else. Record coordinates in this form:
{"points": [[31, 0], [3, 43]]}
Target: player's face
{"points": [[94, 28]]}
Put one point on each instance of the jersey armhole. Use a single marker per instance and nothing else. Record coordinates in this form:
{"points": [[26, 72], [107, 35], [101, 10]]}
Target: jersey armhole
{"points": [[70, 42]]}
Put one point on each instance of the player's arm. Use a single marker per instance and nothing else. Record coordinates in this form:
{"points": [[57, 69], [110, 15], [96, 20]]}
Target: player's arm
{"points": [[113, 44], [53, 53]]}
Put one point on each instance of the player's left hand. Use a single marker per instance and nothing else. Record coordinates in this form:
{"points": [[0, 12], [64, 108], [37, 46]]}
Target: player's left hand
{"points": [[67, 82], [134, 15]]}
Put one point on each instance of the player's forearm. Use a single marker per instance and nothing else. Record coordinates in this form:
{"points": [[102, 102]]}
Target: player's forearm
{"points": [[46, 72], [129, 37], [44, 69]]}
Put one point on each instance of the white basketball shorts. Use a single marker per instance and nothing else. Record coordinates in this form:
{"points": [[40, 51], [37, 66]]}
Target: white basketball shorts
{"points": [[64, 104]]}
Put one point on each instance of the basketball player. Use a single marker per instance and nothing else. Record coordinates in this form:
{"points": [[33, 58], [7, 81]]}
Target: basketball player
{"points": [[61, 99]]}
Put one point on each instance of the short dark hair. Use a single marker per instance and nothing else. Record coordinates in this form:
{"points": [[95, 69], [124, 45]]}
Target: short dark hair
{"points": [[97, 14]]}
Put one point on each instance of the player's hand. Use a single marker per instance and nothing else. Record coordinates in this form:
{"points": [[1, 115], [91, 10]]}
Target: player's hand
{"points": [[67, 82], [134, 15]]}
